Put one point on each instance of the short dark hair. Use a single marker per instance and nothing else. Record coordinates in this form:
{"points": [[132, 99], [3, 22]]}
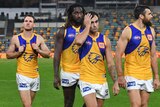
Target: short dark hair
{"points": [[29, 15], [140, 9], [93, 14]]}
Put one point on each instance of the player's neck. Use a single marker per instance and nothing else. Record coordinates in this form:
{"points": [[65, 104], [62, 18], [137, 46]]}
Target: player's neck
{"points": [[27, 34], [139, 24], [93, 34], [76, 25]]}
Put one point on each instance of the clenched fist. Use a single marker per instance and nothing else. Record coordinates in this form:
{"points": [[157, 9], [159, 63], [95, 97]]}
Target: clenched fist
{"points": [[21, 49], [35, 47]]}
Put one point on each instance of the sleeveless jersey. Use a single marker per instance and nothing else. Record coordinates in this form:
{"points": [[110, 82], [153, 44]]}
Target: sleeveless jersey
{"points": [[27, 64], [92, 55], [70, 59], [137, 54]]}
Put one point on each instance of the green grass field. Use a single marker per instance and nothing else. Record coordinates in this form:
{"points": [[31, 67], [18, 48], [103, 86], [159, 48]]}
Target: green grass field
{"points": [[48, 96]]}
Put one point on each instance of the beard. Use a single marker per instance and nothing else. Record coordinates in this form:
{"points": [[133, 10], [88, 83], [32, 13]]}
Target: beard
{"points": [[146, 22], [93, 30], [28, 29], [78, 21]]}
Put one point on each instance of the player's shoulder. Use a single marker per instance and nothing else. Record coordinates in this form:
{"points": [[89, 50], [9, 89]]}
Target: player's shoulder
{"points": [[61, 31], [15, 37], [62, 28], [152, 29], [39, 37], [127, 28], [35, 34]]}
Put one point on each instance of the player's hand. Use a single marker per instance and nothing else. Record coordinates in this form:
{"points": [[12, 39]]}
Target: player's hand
{"points": [[35, 47], [87, 19], [21, 49], [116, 88], [121, 82], [156, 84], [56, 82]]}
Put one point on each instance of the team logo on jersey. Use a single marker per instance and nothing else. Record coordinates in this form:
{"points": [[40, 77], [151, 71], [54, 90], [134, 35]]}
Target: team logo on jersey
{"points": [[143, 50], [27, 57], [75, 48], [101, 45], [137, 37], [149, 36], [71, 35], [94, 57], [88, 42]]}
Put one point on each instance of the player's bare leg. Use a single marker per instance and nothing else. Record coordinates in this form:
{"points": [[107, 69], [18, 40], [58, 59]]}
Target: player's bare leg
{"points": [[26, 98], [90, 100], [144, 98], [135, 98], [69, 95]]}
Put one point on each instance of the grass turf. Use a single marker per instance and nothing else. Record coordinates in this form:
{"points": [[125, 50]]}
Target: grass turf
{"points": [[48, 96]]}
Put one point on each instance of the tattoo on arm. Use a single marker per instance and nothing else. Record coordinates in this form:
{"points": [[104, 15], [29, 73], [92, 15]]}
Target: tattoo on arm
{"points": [[112, 72]]}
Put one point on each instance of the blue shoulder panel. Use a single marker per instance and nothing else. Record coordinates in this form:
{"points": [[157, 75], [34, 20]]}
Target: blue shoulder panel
{"points": [[22, 42], [101, 39], [85, 48], [135, 40], [33, 40], [70, 36], [148, 32]]}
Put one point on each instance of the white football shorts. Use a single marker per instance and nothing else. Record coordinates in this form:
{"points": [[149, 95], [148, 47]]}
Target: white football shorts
{"points": [[133, 83], [101, 90], [69, 79], [26, 83]]}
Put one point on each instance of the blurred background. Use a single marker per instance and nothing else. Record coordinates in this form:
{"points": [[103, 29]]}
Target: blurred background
{"points": [[51, 14]]}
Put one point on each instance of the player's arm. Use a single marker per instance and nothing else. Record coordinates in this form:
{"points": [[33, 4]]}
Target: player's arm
{"points": [[11, 53], [154, 62], [111, 67], [42, 49], [121, 45], [110, 61], [57, 55], [81, 37]]}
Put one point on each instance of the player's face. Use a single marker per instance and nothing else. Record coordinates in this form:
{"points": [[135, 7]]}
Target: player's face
{"points": [[94, 24], [77, 15], [28, 23], [147, 18]]}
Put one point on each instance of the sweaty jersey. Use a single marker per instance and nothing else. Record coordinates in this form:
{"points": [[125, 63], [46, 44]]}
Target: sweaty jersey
{"points": [[27, 64], [92, 55], [137, 53], [70, 58]]}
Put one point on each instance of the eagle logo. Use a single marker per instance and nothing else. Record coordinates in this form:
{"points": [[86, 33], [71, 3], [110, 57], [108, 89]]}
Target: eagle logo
{"points": [[94, 57], [27, 57], [142, 50]]}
